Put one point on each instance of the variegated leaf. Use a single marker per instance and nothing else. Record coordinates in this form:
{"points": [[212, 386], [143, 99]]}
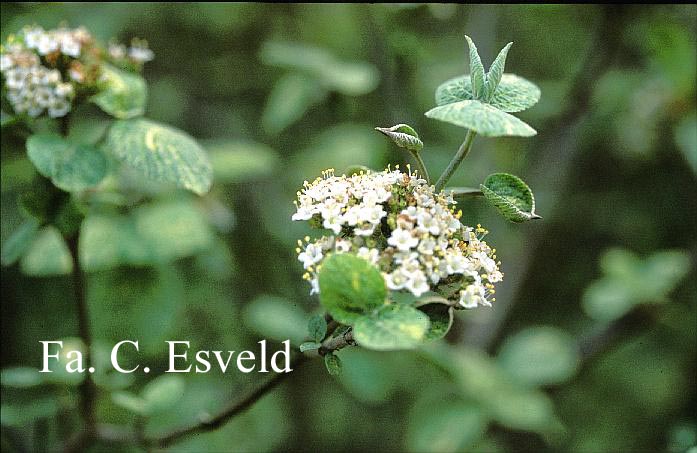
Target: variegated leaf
{"points": [[511, 196], [403, 135], [477, 75], [514, 93], [493, 77], [483, 119]]}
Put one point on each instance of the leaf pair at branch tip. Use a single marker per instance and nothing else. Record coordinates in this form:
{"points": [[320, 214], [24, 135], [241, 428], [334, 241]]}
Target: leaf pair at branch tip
{"points": [[484, 84], [482, 102]]}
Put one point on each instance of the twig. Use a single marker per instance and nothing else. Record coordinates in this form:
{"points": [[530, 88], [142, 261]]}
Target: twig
{"points": [[456, 161], [87, 388], [336, 343], [598, 57], [214, 422]]}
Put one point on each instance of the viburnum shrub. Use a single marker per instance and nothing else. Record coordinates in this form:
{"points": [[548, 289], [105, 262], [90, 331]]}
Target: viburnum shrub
{"points": [[54, 73], [49, 80], [395, 259]]}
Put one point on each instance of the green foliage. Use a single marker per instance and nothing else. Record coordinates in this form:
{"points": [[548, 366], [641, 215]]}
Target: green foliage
{"points": [[292, 96], [20, 377], [123, 94], [493, 77], [241, 161], [391, 327], [157, 396], [513, 94], [161, 153], [511, 196], [19, 242], [333, 364], [477, 75], [275, 318], [350, 287], [686, 139], [404, 136], [47, 255], [482, 118], [310, 346], [630, 281], [71, 166], [440, 317], [349, 78], [540, 356], [317, 327], [481, 101], [455, 426]]}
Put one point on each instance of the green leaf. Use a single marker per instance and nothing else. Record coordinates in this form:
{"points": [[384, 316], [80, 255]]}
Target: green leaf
{"points": [[630, 281], [686, 138], [482, 119], [162, 393], [350, 287], [317, 326], [441, 424], [47, 255], [20, 377], [292, 96], [493, 77], [18, 243], [130, 402], [123, 94], [310, 346], [392, 327], [477, 75], [21, 416], [333, 364], [161, 153], [70, 166], [276, 318], [349, 78], [513, 94], [241, 161], [511, 196], [540, 356], [464, 191], [404, 136], [440, 317]]}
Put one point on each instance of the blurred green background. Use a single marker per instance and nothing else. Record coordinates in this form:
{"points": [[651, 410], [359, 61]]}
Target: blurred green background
{"points": [[591, 345]]}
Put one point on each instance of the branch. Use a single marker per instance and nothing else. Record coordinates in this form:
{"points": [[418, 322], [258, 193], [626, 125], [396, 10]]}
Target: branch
{"points": [[211, 423], [336, 343], [87, 388], [456, 161]]}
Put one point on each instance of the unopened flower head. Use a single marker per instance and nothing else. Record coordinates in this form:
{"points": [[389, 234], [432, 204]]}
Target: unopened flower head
{"points": [[395, 220]]}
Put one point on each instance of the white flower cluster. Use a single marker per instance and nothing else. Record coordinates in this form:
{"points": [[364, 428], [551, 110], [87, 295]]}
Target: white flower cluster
{"points": [[139, 52], [33, 88], [397, 222]]}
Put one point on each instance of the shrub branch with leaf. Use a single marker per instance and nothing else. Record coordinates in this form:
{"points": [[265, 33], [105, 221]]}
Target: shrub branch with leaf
{"points": [[53, 74], [398, 260]]}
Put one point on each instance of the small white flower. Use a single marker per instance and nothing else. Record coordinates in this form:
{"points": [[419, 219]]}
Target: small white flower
{"points": [[58, 108], [140, 54], [473, 296], [417, 283], [402, 240], [342, 246], [396, 280], [311, 255], [46, 44], [6, 62]]}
